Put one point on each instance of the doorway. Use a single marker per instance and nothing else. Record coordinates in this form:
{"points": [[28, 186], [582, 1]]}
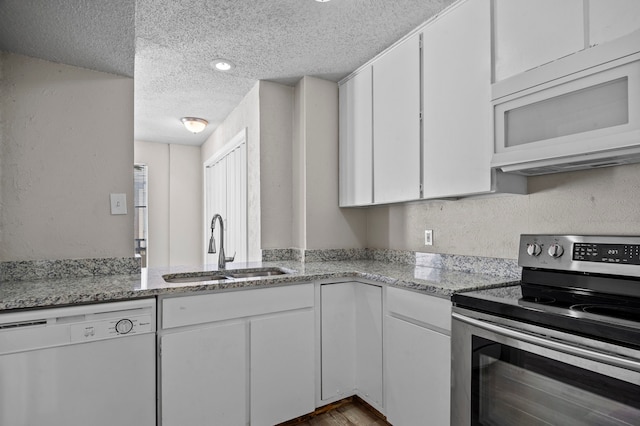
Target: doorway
{"points": [[225, 186]]}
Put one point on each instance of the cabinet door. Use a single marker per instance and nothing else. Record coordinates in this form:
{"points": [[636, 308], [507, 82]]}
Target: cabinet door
{"points": [[204, 376], [368, 360], [523, 43], [351, 342], [356, 144], [457, 102], [418, 374], [282, 367], [609, 20], [338, 339], [396, 123]]}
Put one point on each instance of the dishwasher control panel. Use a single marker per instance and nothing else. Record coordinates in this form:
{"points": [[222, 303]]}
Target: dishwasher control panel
{"points": [[27, 330], [111, 327]]}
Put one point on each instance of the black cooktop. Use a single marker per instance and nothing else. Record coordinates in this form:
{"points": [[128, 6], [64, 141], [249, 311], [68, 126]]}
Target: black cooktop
{"points": [[585, 285], [610, 318]]}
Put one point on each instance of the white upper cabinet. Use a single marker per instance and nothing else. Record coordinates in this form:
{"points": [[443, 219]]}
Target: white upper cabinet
{"points": [[531, 33], [356, 143], [609, 20], [396, 123], [457, 102]]}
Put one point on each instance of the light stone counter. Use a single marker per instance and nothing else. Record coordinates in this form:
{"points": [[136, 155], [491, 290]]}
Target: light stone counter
{"points": [[436, 281]]}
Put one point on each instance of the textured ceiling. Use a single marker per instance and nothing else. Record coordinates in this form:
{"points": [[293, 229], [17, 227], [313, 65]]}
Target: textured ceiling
{"points": [[175, 41], [94, 34]]}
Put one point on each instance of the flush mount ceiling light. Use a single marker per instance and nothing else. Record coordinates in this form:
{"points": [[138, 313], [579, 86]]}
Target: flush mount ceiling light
{"points": [[222, 64], [194, 124], [322, 1]]}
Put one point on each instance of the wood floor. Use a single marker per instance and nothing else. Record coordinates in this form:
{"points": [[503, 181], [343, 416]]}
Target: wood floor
{"points": [[348, 412]]}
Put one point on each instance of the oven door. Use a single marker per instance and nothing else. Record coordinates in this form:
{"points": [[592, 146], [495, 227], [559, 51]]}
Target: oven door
{"points": [[505, 372]]}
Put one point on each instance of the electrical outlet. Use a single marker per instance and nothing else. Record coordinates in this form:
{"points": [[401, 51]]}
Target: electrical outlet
{"points": [[428, 237]]}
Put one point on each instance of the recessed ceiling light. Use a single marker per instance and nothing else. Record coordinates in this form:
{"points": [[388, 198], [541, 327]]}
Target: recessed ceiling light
{"points": [[322, 1], [222, 64]]}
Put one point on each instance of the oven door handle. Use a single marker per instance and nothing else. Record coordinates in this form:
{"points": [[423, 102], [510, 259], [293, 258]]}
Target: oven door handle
{"points": [[602, 357]]}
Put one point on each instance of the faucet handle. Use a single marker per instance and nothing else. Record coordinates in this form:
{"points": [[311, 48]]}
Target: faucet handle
{"points": [[230, 259]]}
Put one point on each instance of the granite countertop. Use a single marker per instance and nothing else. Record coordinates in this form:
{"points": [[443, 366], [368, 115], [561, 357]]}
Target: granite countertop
{"points": [[65, 291]]}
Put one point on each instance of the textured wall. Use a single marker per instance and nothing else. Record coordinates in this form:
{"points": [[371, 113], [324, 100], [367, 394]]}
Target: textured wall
{"points": [[67, 138], [325, 224], [186, 237], [298, 212], [276, 120], [602, 201]]}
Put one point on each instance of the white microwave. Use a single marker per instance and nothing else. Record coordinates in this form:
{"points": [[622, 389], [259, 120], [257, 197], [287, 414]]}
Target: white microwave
{"points": [[579, 112]]}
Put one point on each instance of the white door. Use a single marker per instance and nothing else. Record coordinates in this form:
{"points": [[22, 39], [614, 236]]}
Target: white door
{"points": [[457, 156], [338, 340], [368, 361], [102, 383], [351, 342], [418, 375], [204, 376], [522, 42], [226, 194], [396, 123], [356, 140], [282, 367]]}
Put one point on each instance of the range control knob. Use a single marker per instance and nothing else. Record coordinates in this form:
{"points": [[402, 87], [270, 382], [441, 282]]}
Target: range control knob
{"points": [[555, 250], [124, 326], [533, 249]]}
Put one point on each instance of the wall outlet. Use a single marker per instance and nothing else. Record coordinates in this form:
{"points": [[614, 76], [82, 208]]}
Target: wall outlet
{"points": [[428, 237]]}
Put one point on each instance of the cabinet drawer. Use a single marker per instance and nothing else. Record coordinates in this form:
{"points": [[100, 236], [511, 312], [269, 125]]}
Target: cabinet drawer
{"points": [[429, 310], [204, 308]]}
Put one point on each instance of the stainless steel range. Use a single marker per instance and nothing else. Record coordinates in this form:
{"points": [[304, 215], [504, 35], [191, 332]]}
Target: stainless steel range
{"points": [[561, 347]]}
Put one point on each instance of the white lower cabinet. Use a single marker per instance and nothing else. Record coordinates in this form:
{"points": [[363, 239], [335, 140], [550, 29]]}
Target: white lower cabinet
{"points": [[417, 359], [282, 362], [249, 357], [351, 342], [237, 358], [204, 376]]}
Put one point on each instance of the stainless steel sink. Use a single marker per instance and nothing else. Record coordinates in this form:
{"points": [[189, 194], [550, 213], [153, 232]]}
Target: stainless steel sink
{"points": [[190, 277]]}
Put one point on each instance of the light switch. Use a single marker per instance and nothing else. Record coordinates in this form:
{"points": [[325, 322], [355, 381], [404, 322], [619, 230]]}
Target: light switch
{"points": [[118, 203], [428, 237]]}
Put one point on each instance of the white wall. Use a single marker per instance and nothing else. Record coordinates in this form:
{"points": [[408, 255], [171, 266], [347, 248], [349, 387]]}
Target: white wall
{"points": [[298, 210], [602, 201], [175, 202], [322, 224], [266, 112], [245, 115], [185, 205], [67, 143], [276, 121]]}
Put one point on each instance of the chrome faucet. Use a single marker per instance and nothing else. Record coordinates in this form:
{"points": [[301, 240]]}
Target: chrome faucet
{"points": [[222, 260]]}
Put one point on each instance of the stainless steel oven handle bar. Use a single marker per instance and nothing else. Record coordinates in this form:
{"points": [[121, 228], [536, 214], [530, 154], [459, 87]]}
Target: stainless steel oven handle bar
{"points": [[551, 344]]}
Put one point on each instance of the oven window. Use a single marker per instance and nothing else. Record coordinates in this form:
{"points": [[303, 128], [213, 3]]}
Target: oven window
{"points": [[514, 387]]}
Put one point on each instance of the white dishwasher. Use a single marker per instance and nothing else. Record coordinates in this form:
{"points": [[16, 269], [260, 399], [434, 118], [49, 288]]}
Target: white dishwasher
{"points": [[80, 365]]}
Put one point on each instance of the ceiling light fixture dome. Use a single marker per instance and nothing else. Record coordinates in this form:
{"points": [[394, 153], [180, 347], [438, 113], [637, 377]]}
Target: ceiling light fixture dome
{"points": [[222, 64], [194, 124]]}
